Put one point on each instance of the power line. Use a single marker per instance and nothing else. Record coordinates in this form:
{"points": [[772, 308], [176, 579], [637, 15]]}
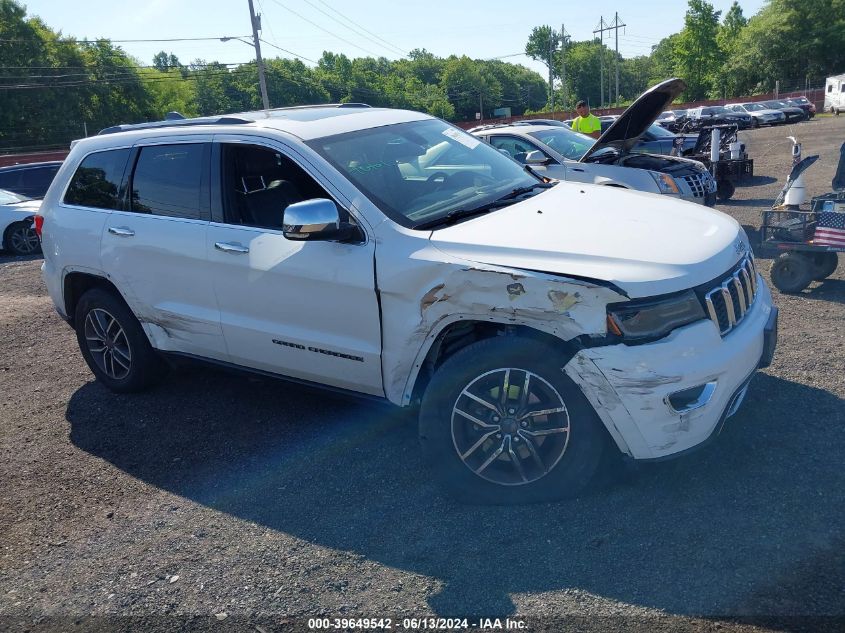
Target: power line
{"points": [[393, 49], [105, 39], [302, 17], [398, 48], [289, 52]]}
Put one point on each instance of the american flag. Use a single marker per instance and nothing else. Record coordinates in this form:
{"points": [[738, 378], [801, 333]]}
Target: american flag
{"points": [[830, 229]]}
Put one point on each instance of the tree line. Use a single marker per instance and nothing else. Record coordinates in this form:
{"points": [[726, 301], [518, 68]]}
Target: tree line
{"points": [[794, 42], [54, 88]]}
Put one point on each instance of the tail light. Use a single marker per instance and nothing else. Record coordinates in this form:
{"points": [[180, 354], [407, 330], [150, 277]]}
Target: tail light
{"points": [[39, 225]]}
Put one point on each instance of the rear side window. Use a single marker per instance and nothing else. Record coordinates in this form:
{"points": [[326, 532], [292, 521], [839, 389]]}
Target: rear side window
{"points": [[168, 180], [96, 182], [38, 180]]}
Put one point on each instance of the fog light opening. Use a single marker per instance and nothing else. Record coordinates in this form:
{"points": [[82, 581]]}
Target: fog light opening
{"points": [[691, 398]]}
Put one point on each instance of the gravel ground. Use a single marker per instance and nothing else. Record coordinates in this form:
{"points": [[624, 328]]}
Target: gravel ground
{"points": [[223, 496]]}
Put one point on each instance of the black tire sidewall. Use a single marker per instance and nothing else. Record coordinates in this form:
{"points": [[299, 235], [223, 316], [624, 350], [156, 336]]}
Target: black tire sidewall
{"points": [[824, 265], [568, 477], [797, 261], [145, 366]]}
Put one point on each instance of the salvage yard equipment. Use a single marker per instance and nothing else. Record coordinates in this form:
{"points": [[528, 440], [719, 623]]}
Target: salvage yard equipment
{"points": [[808, 240], [721, 152]]}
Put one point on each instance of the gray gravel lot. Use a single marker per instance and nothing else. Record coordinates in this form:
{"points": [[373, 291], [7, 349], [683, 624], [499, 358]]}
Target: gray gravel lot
{"points": [[218, 493]]}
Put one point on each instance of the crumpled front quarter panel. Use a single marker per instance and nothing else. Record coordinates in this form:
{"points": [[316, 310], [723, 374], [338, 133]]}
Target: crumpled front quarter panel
{"points": [[423, 290]]}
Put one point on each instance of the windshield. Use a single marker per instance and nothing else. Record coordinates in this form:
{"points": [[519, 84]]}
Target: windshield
{"points": [[754, 107], [660, 132], [713, 110], [420, 171], [568, 143], [8, 197]]}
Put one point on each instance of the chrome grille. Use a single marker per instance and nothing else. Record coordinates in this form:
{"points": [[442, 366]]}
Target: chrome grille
{"points": [[728, 302], [699, 183]]}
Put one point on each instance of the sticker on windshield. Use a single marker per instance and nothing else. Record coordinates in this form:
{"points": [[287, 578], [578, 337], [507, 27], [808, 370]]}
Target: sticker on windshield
{"points": [[462, 137]]}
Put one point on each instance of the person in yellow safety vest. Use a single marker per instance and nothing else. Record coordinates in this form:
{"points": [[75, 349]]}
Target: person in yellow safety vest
{"points": [[585, 122]]}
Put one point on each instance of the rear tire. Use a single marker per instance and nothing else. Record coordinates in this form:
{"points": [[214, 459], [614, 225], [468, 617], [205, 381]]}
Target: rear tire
{"points": [[791, 272], [725, 190], [482, 441], [114, 345], [824, 265], [20, 238]]}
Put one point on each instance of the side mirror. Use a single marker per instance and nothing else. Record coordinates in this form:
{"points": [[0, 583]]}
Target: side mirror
{"points": [[316, 220], [536, 157]]}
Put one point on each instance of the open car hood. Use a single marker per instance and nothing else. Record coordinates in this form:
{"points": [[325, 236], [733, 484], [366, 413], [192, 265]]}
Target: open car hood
{"points": [[624, 133]]}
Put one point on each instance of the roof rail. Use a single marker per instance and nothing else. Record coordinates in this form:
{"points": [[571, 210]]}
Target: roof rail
{"points": [[214, 120]]}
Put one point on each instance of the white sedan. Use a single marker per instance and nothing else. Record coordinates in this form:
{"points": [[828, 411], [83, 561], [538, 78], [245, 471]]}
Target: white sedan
{"points": [[16, 218]]}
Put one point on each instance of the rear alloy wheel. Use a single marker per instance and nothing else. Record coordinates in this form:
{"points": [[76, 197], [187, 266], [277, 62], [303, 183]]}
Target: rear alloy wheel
{"points": [[501, 423], [824, 265], [113, 343], [20, 238], [791, 272]]}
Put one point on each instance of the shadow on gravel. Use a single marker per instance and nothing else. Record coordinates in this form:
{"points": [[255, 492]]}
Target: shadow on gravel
{"points": [[757, 181], [761, 203], [721, 531]]}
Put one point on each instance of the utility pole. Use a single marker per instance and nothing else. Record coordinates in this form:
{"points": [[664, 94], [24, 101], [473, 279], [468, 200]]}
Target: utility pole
{"points": [[551, 70], [602, 27], [563, 36], [480, 105], [256, 26]]}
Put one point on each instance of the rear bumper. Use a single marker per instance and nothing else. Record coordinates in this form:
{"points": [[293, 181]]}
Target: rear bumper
{"points": [[630, 386]]}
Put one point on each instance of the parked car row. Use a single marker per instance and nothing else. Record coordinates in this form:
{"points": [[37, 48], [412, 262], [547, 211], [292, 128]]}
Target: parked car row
{"points": [[745, 115], [538, 324], [21, 188]]}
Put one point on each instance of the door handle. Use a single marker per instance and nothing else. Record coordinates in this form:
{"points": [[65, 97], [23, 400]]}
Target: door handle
{"points": [[231, 247], [122, 231]]}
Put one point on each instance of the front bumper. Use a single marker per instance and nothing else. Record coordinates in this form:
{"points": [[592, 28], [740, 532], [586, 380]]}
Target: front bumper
{"points": [[630, 386]]}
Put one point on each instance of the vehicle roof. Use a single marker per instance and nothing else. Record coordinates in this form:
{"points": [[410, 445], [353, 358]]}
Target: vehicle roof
{"points": [[305, 122], [514, 129], [42, 164]]}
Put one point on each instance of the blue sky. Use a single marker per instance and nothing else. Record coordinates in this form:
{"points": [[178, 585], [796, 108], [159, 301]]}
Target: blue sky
{"points": [[492, 28]]}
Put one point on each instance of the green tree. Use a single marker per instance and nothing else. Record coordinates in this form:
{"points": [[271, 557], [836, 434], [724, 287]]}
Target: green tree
{"points": [[469, 88], [697, 53]]}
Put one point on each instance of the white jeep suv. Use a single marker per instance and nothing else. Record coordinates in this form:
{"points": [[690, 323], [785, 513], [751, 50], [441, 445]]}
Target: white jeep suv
{"points": [[538, 323]]}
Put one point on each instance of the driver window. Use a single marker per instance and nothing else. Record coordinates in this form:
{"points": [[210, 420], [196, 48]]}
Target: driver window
{"points": [[260, 183], [515, 147]]}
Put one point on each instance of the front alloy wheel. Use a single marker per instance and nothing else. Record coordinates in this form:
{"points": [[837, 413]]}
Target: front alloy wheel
{"points": [[501, 423], [510, 426]]}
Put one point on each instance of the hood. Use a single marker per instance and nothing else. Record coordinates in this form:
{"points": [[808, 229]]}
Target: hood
{"points": [[27, 206], [624, 133], [645, 244]]}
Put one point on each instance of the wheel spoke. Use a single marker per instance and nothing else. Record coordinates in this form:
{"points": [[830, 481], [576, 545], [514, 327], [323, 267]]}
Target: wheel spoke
{"points": [[506, 386], [125, 354], [493, 457], [475, 446], [472, 418], [535, 414], [480, 401], [97, 350], [516, 461], [116, 359], [533, 450], [542, 432], [524, 396]]}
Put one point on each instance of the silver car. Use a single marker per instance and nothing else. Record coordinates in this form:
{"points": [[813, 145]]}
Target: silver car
{"points": [[561, 153]]}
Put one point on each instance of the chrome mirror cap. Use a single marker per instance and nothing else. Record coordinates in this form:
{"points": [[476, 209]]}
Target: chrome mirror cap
{"points": [[311, 219]]}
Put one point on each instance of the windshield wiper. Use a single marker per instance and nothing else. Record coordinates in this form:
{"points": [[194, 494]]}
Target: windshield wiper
{"points": [[460, 214]]}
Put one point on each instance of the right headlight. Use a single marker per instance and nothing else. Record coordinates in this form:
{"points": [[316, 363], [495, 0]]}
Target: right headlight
{"points": [[665, 182], [643, 320]]}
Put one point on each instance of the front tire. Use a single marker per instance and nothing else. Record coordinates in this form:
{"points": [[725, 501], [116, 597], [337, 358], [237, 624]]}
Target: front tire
{"points": [[725, 190], [21, 239], [500, 423], [113, 343]]}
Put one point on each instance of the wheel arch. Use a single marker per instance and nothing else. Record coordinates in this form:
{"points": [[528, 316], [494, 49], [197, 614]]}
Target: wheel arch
{"points": [[455, 334], [77, 283]]}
